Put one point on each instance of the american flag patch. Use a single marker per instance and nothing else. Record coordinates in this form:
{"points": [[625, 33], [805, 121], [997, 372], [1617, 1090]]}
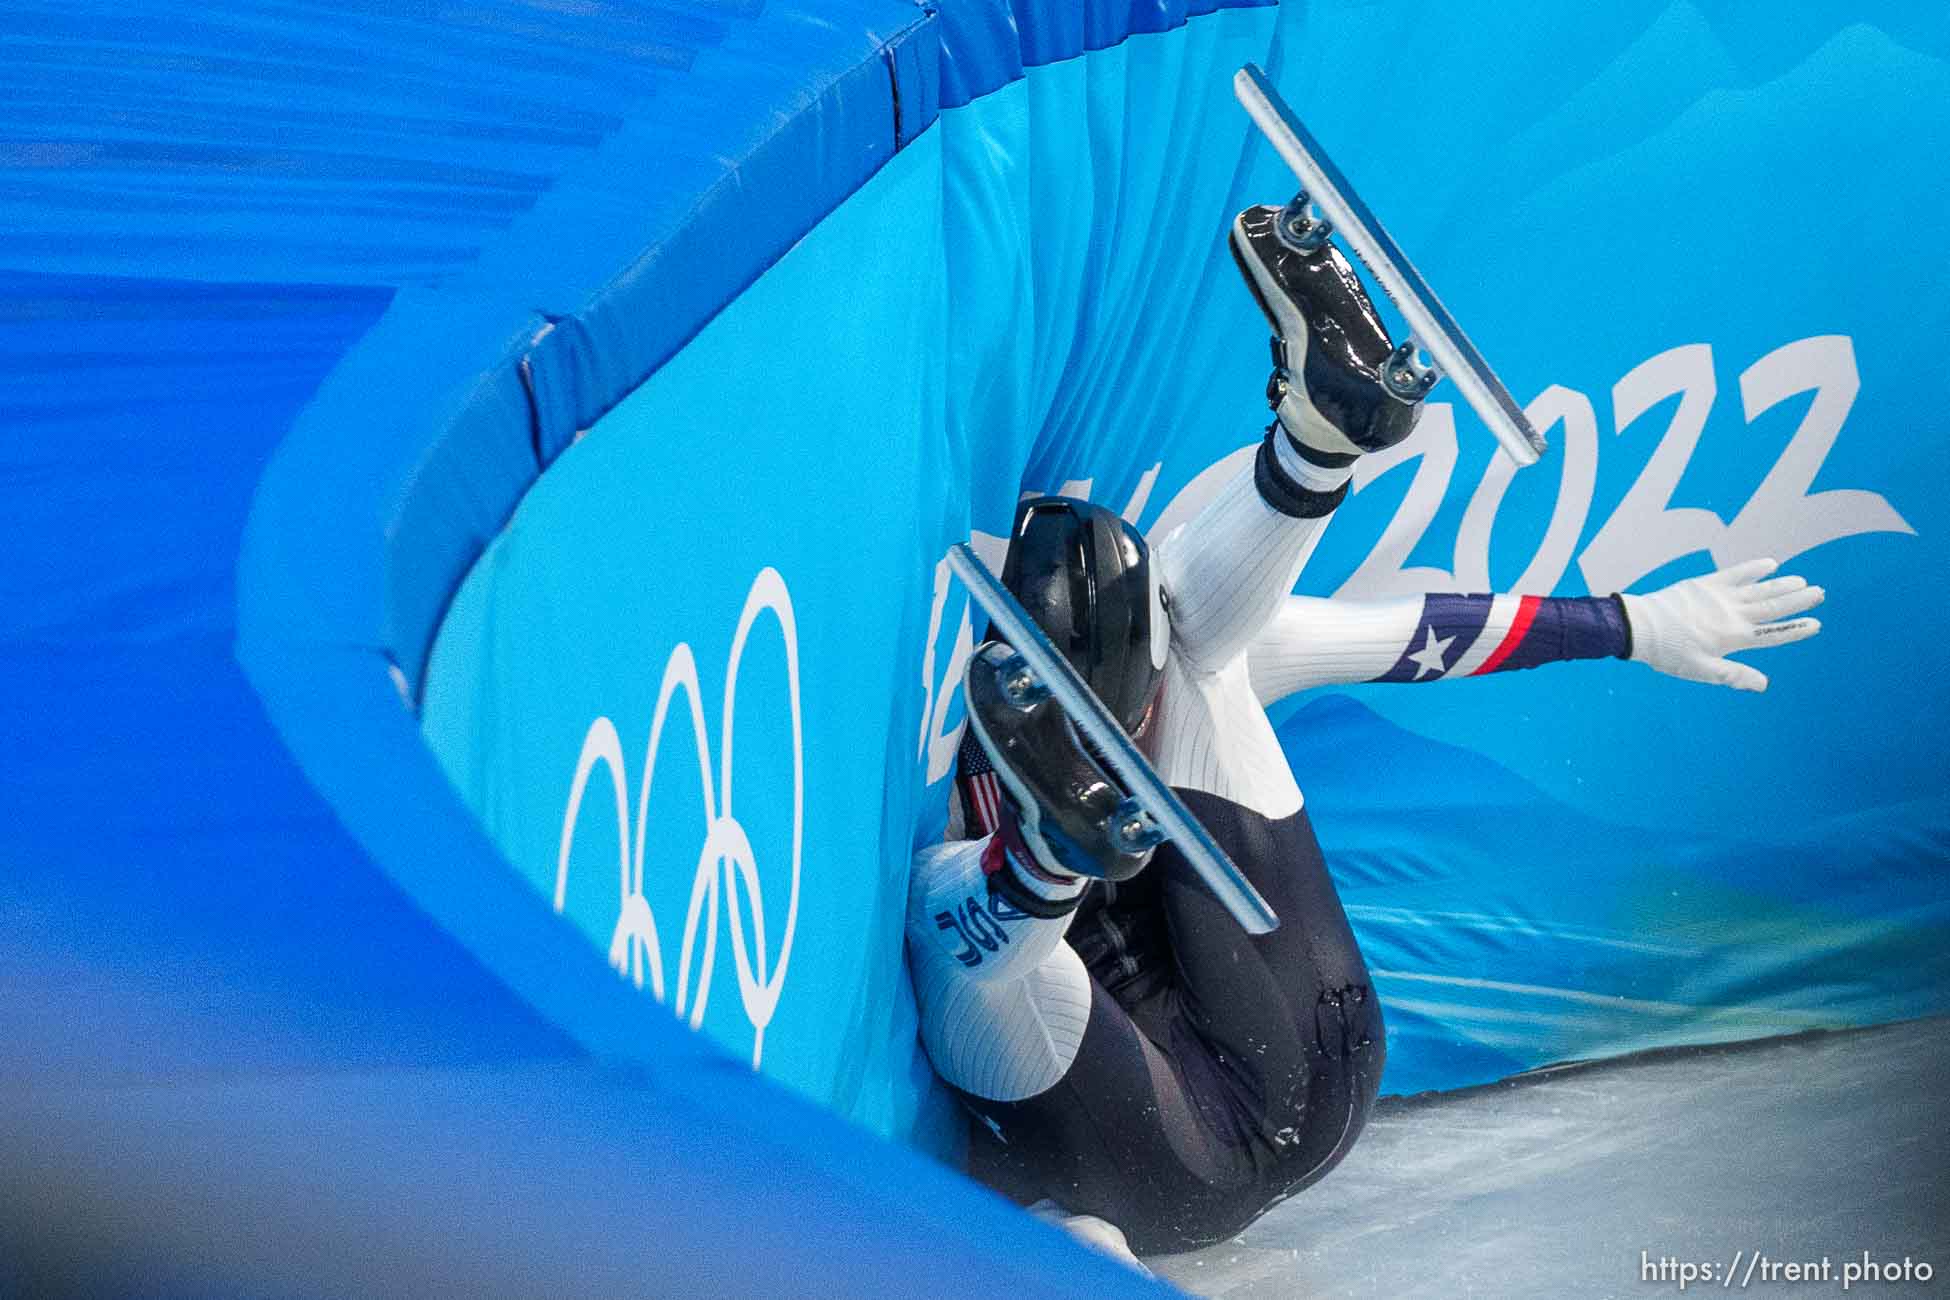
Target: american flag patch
{"points": [[981, 789]]}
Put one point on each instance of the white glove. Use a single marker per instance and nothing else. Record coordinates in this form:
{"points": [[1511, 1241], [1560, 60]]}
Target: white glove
{"points": [[1687, 629]]}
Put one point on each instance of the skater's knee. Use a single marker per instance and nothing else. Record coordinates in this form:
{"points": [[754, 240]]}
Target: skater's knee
{"points": [[1343, 1075], [1350, 1050], [1349, 1036]]}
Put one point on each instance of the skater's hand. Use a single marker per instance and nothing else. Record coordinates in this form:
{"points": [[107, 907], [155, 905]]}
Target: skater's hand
{"points": [[1689, 628]]}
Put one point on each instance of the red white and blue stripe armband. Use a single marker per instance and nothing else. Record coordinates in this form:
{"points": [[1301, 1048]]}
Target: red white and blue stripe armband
{"points": [[1467, 636]]}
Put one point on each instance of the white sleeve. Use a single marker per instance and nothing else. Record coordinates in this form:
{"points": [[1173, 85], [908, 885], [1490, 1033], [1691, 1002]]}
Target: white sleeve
{"points": [[1003, 1001], [1314, 642]]}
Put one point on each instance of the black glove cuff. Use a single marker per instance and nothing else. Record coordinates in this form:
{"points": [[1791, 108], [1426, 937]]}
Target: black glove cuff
{"points": [[1625, 617]]}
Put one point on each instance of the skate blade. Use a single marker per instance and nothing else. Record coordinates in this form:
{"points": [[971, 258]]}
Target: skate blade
{"points": [[1430, 324], [1134, 772]]}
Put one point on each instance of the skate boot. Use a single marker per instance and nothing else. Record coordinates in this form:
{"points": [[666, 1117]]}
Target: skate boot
{"points": [[1072, 816], [1340, 387]]}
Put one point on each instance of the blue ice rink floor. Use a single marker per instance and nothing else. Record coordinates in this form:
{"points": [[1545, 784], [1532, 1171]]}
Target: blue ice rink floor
{"points": [[1580, 1180]]}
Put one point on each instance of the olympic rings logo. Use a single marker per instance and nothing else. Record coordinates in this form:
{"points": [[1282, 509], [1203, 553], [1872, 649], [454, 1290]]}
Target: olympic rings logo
{"points": [[725, 860]]}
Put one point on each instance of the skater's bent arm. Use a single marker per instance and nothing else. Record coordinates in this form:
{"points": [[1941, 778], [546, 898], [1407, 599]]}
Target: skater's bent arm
{"points": [[1684, 630]]}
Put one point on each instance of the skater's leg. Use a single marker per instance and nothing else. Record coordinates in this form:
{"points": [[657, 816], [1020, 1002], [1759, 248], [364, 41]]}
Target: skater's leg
{"points": [[1081, 1106], [1078, 1106], [1215, 1074], [1221, 1074], [1226, 572], [1228, 569], [1209, 733], [1293, 1012], [1231, 570], [1131, 1133]]}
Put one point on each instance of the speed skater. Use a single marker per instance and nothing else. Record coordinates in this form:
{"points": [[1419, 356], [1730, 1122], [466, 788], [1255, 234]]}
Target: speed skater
{"points": [[1133, 1057]]}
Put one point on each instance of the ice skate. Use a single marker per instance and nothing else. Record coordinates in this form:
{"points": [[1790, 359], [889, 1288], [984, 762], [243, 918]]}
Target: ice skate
{"points": [[1340, 386], [1057, 702], [1430, 323], [1073, 818]]}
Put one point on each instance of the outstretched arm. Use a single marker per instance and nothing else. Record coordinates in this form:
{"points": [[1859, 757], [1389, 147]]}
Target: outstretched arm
{"points": [[1685, 630]]}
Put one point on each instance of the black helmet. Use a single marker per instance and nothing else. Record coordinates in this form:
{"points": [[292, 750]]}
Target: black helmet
{"points": [[1085, 576]]}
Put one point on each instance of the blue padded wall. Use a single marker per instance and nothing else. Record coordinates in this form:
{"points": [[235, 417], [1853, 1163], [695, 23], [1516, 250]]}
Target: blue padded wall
{"points": [[310, 308]]}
